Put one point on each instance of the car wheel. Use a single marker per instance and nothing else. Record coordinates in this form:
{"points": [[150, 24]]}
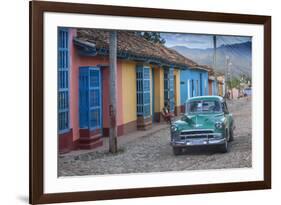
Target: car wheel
{"points": [[224, 147], [176, 150], [231, 135]]}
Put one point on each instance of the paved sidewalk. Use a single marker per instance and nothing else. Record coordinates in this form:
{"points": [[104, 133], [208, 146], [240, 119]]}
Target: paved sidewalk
{"points": [[122, 140]]}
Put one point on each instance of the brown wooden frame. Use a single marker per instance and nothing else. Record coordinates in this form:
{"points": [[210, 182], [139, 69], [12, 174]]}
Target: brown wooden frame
{"points": [[37, 9]]}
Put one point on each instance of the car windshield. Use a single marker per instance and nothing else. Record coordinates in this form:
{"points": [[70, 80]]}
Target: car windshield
{"points": [[203, 106]]}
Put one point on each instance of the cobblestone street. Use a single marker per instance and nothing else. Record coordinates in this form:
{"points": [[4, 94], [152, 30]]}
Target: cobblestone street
{"points": [[153, 153]]}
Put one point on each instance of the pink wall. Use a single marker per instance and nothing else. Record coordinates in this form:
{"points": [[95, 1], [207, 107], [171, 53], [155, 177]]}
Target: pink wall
{"points": [[105, 97], [76, 62], [74, 97]]}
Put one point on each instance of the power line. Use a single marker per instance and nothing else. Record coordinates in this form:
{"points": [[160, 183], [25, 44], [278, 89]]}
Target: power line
{"points": [[233, 52], [235, 49]]}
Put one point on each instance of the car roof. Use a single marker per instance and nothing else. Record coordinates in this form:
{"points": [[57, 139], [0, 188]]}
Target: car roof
{"points": [[206, 97]]}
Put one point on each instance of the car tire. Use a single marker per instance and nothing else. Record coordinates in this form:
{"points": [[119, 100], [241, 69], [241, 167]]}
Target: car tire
{"points": [[224, 147], [231, 135], [177, 150]]}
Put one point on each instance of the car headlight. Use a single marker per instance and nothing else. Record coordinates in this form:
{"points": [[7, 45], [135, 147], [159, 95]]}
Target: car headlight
{"points": [[174, 128], [219, 125], [174, 132]]}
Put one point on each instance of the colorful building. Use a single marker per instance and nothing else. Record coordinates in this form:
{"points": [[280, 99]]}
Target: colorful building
{"points": [[216, 83], [221, 85], [148, 75], [193, 82]]}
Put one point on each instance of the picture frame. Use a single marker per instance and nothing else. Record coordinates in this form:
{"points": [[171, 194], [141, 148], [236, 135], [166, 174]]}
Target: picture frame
{"points": [[36, 105]]}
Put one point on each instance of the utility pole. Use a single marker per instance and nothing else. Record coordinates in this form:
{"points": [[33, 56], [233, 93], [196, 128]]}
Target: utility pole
{"points": [[215, 59], [113, 86], [226, 74], [215, 52], [230, 77]]}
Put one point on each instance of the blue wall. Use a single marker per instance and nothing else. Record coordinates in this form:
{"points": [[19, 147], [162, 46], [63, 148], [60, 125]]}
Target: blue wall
{"points": [[200, 88]]}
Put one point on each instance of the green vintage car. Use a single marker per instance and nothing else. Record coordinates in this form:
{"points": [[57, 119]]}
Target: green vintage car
{"points": [[206, 122]]}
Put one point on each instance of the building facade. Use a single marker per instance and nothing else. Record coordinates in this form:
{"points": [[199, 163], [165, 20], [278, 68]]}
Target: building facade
{"points": [[216, 83], [149, 76], [193, 82]]}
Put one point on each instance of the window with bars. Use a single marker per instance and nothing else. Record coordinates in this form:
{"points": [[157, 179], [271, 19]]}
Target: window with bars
{"points": [[214, 87], [192, 88], [205, 86], [143, 91], [63, 81], [201, 84], [90, 107], [197, 88], [169, 95]]}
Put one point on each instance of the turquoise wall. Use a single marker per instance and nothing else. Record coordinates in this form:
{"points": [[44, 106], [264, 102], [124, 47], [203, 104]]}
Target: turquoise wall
{"points": [[198, 78]]}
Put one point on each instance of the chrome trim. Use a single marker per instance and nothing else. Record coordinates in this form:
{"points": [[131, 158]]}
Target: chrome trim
{"points": [[197, 142], [211, 130], [201, 134]]}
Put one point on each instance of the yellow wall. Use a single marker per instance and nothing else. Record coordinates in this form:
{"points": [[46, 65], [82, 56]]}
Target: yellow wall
{"points": [[158, 89], [177, 87], [129, 96]]}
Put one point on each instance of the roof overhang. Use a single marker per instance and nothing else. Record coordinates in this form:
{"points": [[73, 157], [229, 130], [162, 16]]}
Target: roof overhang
{"points": [[86, 48], [199, 68]]}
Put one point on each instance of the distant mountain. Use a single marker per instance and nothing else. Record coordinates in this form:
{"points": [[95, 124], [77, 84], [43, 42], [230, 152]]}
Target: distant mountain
{"points": [[240, 56]]}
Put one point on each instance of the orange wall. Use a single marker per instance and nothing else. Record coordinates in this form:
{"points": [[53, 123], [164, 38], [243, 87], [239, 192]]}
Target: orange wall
{"points": [[210, 87], [76, 62]]}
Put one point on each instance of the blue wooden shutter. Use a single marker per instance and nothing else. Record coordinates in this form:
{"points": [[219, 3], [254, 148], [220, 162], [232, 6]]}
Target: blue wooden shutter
{"points": [[166, 86], [139, 75], [95, 98], [192, 88], [146, 91], [171, 91], [83, 98], [90, 102], [201, 84], [143, 90], [63, 80], [169, 95]]}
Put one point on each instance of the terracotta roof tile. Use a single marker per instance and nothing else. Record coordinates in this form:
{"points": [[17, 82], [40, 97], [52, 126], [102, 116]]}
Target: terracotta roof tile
{"points": [[131, 43]]}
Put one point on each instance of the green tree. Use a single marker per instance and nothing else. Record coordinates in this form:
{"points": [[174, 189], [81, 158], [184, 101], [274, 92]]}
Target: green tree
{"points": [[154, 37], [234, 83]]}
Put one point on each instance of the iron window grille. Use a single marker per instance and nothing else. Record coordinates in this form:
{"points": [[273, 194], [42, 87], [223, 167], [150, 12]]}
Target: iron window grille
{"points": [[143, 91], [90, 102], [169, 95], [63, 80]]}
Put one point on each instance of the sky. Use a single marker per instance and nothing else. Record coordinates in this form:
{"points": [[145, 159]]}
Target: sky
{"points": [[199, 40]]}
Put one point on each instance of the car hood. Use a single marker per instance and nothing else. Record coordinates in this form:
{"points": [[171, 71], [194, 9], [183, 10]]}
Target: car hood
{"points": [[199, 121]]}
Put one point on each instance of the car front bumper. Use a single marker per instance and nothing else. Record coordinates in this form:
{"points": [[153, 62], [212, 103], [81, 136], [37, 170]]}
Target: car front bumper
{"points": [[198, 139], [197, 142]]}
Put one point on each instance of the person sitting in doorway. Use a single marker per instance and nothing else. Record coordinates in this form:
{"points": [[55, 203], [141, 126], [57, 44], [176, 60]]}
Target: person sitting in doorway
{"points": [[166, 114]]}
